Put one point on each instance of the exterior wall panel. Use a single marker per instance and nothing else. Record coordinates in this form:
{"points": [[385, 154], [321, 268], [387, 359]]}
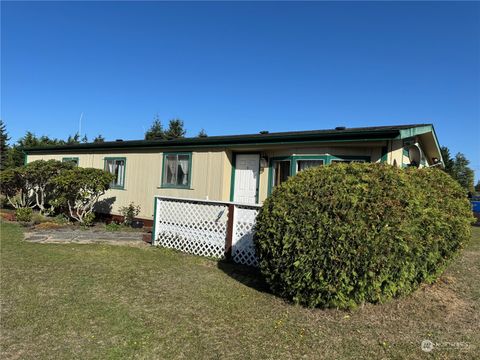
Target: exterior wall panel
{"points": [[143, 178], [211, 170]]}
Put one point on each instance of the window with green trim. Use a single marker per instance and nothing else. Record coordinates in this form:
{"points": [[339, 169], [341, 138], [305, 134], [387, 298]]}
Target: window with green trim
{"points": [[347, 161], [116, 166], [308, 163], [73, 160], [177, 168]]}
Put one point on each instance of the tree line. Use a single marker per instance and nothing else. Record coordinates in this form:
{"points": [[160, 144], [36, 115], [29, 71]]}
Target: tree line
{"points": [[12, 155], [458, 168], [175, 130]]}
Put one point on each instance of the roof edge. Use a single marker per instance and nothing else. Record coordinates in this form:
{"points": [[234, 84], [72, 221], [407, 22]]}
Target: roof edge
{"points": [[352, 134]]}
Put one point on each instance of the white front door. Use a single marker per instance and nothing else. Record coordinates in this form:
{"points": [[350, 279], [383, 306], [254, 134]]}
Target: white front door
{"points": [[246, 178]]}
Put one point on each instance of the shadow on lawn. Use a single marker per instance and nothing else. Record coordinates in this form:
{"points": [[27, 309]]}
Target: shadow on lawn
{"points": [[246, 275]]}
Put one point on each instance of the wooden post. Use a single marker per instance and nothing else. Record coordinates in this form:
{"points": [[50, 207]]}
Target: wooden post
{"points": [[228, 242]]}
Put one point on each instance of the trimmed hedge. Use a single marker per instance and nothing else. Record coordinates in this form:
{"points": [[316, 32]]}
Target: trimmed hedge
{"points": [[345, 234]]}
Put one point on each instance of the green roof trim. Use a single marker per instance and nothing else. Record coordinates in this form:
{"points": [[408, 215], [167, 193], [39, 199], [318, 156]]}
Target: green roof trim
{"points": [[420, 130], [375, 133]]}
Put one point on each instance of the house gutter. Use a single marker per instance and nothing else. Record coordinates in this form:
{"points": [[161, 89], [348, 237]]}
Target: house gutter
{"points": [[225, 143]]}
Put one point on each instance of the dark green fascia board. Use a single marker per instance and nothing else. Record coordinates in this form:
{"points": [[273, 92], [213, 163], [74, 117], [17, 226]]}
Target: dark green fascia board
{"points": [[414, 131], [188, 186], [117, 187], [352, 134], [191, 147], [229, 141]]}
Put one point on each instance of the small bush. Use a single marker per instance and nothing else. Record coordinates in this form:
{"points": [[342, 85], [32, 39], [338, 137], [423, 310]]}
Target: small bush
{"points": [[88, 219], [23, 214], [38, 218], [113, 226], [341, 235], [61, 219], [129, 213]]}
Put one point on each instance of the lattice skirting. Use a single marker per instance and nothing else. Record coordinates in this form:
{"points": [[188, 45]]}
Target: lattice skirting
{"points": [[243, 249], [192, 241], [200, 228]]}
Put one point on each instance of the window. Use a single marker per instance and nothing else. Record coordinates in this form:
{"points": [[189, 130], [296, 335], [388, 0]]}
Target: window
{"points": [[116, 166], [281, 168], [74, 160], [348, 161], [281, 171], [176, 170], [305, 164]]}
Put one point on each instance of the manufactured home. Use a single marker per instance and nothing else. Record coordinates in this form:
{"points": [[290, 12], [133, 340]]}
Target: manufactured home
{"points": [[240, 168]]}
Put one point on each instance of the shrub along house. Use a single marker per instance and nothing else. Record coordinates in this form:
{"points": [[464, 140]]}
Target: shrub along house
{"points": [[240, 168]]}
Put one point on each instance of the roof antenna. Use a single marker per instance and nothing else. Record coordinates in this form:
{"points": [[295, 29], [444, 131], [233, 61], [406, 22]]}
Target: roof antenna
{"points": [[80, 125]]}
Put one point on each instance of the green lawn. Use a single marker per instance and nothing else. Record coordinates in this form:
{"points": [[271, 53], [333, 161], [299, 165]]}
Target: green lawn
{"points": [[100, 301]]}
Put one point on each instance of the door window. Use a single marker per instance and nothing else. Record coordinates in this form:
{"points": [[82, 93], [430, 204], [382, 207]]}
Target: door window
{"points": [[281, 172]]}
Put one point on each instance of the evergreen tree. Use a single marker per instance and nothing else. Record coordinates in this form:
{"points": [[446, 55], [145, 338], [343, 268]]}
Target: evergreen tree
{"points": [[3, 145], [447, 160], [16, 156], [175, 129], [85, 139], [156, 130], [463, 173], [202, 134], [75, 139], [99, 139]]}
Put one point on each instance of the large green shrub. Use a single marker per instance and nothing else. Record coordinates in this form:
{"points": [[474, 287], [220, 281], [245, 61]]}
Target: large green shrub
{"points": [[79, 190], [31, 185], [41, 174], [341, 235], [17, 187]]}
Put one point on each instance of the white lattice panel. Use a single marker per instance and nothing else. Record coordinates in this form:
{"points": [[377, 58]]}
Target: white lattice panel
{"points": [[243, 250], [193, 227]]}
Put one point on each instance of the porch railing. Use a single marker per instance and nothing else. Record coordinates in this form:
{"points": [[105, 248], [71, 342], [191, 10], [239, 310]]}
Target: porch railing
{"points": [[206, 228]]}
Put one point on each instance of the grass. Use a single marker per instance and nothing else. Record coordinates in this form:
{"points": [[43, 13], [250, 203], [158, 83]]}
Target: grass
{"points": [[110, 302]]}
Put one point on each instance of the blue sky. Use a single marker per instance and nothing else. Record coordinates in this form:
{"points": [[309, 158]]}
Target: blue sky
{"points": [[236, 68]]}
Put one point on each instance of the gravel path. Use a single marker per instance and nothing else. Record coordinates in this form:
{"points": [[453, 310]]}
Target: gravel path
{"points": [[62, 236]]}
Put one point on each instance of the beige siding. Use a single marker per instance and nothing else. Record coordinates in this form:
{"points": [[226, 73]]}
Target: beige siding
{"points": [[211, 170], [143, 177], [396, 153]]}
